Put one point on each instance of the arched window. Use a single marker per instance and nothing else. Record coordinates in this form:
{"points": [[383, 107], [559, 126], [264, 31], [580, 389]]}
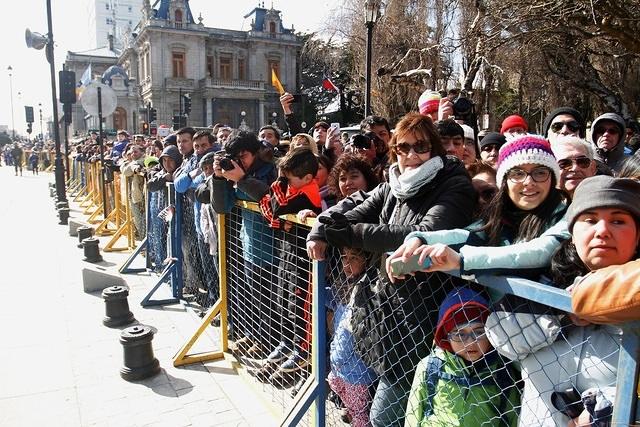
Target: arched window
{"points": [[272, 27], [178, 18]]}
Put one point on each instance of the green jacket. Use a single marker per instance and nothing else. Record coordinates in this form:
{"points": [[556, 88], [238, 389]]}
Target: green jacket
{"points": [[482, 394]]}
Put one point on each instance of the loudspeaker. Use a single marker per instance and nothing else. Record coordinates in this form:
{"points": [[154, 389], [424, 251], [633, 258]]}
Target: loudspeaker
{"points": [[67, 87]]}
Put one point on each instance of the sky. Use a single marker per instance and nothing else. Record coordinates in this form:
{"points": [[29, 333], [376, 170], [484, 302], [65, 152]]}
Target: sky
{"points": [[30, 76]]}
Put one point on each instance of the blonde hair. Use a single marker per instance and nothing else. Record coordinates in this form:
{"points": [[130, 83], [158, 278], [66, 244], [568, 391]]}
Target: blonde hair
{"points": [[304, 140]]}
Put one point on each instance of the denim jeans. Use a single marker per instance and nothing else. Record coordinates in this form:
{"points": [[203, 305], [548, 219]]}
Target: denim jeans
{"points": [[390, 403]]}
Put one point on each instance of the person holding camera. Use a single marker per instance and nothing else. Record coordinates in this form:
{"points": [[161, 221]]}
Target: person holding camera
{"points": [[244, 171]]}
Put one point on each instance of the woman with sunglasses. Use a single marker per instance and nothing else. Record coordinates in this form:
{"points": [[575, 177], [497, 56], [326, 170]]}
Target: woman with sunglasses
{"points": [[522, 224], [427, 190]]}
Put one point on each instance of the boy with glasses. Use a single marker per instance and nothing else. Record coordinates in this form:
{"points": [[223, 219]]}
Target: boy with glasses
{"points": [[463, 381], [607, 136], [575, 159]]}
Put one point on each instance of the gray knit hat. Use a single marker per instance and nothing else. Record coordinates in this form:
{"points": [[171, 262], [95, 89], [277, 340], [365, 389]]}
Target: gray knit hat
{"points": [[603, 191]]}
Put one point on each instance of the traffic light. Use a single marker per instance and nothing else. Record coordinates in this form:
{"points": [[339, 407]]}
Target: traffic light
{"points": [[67, 86], [176, 122], [186, 102], [29, 128], [29, 113], [145, 128], [153, 115]]}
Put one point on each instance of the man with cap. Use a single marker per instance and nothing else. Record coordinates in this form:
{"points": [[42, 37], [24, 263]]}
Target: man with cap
{"points": [[490, 146], [513, 126], [607, 135], [562, 122]]}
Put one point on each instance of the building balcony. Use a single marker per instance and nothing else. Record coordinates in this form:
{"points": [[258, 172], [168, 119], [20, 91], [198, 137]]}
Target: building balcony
{"points": [[211, 83]]}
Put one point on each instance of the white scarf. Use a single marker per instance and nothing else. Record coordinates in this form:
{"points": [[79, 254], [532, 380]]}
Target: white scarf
{"points": [[406, 184]]}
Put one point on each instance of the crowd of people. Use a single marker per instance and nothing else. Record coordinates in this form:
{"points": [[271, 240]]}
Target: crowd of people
{"points": [[395, 211]]}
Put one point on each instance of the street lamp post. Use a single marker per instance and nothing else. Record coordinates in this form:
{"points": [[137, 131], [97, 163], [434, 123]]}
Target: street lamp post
{"points": [[275, 119], [371, 15], [37, 41], [13, 126]]}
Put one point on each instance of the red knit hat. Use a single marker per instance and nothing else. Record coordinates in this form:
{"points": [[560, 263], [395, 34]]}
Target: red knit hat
{"points": [[512, 122], [460, 307]]}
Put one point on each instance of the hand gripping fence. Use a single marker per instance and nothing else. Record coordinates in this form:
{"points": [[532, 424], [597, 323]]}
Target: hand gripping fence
{"points": [[356, 348]]}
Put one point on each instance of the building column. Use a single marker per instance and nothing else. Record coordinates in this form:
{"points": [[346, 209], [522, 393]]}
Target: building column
{"points": [[261, 107], [209, 114]]}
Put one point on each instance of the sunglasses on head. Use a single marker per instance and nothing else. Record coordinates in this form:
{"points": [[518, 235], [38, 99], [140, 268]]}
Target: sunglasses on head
{"points": [[420, 147], [572, 125], [582, 162]]}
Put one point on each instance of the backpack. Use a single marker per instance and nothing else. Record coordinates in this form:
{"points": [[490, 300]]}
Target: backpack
{"points": [[434, 372]]}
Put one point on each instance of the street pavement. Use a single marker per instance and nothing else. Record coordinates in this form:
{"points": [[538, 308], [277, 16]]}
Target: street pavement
{"points": [[59, 366]]}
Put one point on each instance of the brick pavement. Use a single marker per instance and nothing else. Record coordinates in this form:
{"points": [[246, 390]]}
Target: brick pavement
{"points": [[59, 366]]}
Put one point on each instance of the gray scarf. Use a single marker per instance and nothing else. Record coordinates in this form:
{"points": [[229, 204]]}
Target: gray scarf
{"points": [[406, 185]]}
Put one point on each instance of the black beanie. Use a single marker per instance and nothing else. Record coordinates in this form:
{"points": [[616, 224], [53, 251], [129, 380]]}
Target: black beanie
{"points": [[603, 191], [564, 110], [493, 138]]}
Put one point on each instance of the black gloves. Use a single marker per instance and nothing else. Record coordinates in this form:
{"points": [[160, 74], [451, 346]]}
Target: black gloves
{"points": [[337, 230]]}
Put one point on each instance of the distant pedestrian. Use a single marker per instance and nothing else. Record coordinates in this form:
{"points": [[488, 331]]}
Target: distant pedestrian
{"points": [[33, 162], [16, 153]]}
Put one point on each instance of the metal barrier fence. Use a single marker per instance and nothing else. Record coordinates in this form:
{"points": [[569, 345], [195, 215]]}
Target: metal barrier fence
{"points": [[302, 328], [535, 367]]}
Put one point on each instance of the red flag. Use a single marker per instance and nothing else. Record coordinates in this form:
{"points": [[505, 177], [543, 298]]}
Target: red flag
{"points": [[328, 85]]}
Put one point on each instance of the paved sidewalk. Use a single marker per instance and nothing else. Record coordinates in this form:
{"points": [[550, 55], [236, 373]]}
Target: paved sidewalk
{"points": [[59, 366]]}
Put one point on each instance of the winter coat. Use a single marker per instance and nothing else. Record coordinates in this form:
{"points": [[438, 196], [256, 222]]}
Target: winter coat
{"points": [[409, 311], [132, 170], [477, 258], [554, 358], [463, 394], [609, 295], [257, 241]]}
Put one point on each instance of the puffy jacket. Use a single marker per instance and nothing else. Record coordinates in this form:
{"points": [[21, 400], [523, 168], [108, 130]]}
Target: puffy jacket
{"points": [[482, 394], [380, 224], [554, 359], [609, 295], [257, 242]]}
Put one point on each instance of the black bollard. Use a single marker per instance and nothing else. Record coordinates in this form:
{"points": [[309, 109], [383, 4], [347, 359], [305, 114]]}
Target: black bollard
{"points": [[63, 215], [116, 307], [84, 233], [139, 362], [91, 250]]}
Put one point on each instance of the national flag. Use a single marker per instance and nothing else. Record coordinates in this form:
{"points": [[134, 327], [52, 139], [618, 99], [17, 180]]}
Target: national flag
{"points": [[84, 80], [328, 85], [275, 82]]}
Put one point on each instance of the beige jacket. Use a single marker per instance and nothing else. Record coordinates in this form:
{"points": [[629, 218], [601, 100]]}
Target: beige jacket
{"points": [[609, 295]]}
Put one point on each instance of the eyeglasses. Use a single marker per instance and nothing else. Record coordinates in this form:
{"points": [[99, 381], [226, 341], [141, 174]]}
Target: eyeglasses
{"points": [[420, 147], [459, 336], [572, 125], [611, 129], [582, 162], [538, 175]]}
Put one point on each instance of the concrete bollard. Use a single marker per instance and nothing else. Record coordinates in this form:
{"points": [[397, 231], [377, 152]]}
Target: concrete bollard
{"points": [[63, 215], [84, 233], [117, 311], [91, 250], [139, 361]]}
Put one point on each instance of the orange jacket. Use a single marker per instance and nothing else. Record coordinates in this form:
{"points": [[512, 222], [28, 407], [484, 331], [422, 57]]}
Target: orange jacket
{"points": [[609, 295]]}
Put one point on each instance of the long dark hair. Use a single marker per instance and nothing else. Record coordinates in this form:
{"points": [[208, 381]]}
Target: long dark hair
{"points": [[533, 223], [566, 265]]}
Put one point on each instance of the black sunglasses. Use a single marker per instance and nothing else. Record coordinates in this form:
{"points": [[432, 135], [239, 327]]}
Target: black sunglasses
{"points": [[420, 147], [582, 162], [572, 125]]}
